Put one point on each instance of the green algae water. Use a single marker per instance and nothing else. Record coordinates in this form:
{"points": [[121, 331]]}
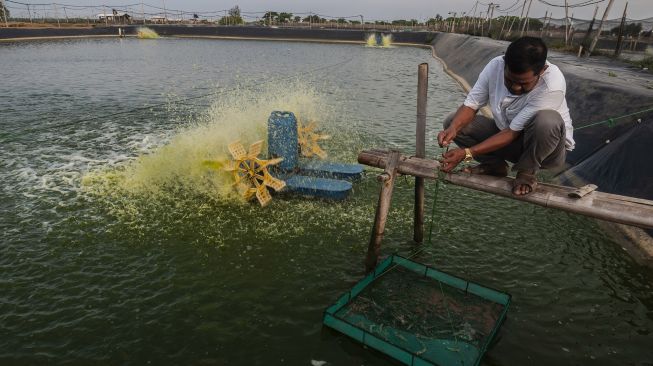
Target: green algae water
{"points": [[119, 248]]}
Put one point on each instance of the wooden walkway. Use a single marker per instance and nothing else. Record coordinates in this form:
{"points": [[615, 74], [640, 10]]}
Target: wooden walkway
{"points": [[600, 205]]}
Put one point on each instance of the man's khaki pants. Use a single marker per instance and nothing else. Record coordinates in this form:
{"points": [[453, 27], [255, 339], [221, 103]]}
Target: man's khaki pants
{"points": [[541, 145]]}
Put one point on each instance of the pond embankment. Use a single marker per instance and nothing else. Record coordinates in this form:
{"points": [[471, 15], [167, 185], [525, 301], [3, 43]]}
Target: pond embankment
{"points": [[315, 33]]}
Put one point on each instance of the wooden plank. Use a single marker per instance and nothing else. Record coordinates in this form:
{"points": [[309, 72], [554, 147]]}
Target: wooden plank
{"points": [[382, 208], [420, 149], [414, 166], [605, 206]]}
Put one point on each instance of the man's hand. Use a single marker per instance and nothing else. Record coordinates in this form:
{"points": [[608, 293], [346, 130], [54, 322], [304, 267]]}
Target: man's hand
{"points": [[451, 159], [446, 137]]}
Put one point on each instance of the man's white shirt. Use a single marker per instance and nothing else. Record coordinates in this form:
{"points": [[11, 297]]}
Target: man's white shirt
{"points": [[515, 111]]}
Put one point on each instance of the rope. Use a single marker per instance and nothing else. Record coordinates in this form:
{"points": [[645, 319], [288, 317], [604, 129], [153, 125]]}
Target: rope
{"points": [[611, 122], [577, 5], [436, 189], [435, 200]]}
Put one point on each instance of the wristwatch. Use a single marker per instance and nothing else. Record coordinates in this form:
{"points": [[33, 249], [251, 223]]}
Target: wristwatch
{"points": [[468, 155]]}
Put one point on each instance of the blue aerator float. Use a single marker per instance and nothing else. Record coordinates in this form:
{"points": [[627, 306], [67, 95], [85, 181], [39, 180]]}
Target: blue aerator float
{"points": [[306, 177]]}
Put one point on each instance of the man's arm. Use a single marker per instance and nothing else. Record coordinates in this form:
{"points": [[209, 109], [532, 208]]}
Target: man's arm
{"points": [[464, 116], [477, 97], [495, 142]]}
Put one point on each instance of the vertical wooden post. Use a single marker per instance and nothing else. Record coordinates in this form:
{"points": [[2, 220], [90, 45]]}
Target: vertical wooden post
{"points": [[165, 12], [585, 42], [387, 179], [523, 7], [481, 23], [420, 148], [566, 23], [620, 37], [2, 10], [503, 26], [509, 32], [489, 28], [4, 13], [636, 41], [546, 13], [598, 31], [525, 28], [56, 14]]}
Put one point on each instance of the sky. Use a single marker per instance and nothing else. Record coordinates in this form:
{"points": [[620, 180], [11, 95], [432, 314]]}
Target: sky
{"points": [[388, 9]]}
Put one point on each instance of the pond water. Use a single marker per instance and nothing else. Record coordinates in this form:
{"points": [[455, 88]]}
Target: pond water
{"points": [[119, 247]]}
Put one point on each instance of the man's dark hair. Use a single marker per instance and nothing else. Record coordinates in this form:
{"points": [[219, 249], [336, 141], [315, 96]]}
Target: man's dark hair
{"points": [[526, 53]]}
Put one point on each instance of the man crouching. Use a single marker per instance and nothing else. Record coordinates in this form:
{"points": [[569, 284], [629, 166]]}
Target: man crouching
{"points": [[531, 126]]}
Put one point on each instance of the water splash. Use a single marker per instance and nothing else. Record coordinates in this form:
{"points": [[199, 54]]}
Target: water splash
{"points": [[386, 40], [379, 40], [169, 190], [241, 115], [146, 33], [371, 40]]}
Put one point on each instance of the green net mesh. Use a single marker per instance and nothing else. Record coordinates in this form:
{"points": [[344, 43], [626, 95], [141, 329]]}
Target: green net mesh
{"points": [[414, 312]]}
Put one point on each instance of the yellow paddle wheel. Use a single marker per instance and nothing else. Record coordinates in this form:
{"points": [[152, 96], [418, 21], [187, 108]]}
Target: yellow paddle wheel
{"points": [[308, 140], [251, 175]]}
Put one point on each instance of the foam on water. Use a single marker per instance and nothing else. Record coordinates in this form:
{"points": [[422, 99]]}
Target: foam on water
{"points": [[387, 40], [168, 187], [372, 41], [141, 175], [241, 115], [146, 33]]}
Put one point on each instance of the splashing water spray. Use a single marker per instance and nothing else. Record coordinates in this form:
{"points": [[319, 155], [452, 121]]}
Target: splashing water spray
{"points": [[146, 33], [379, 40], [181, 164], [386, 40], [371, 40]]}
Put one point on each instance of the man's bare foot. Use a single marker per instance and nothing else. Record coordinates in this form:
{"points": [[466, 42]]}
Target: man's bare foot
{"points": [[524, 183]]}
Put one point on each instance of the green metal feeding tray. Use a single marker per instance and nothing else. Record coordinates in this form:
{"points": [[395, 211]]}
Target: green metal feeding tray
{"points": [[419, 315]]}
